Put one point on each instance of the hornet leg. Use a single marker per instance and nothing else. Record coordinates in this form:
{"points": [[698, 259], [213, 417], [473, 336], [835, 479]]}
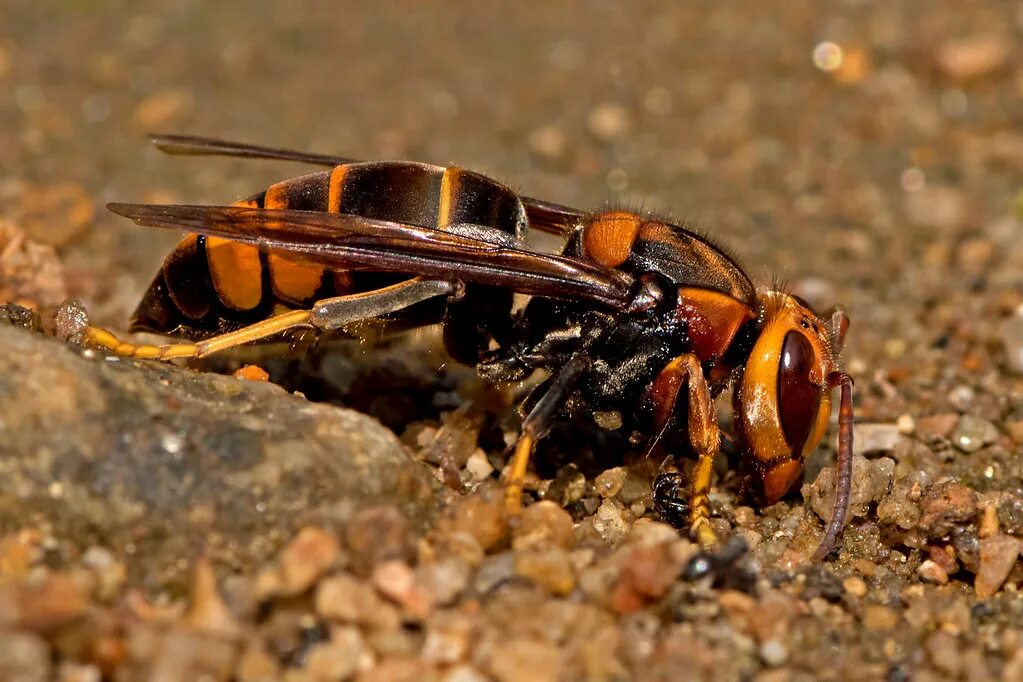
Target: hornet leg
{"points": [[704, 435], [538, 423], [330, 313]]}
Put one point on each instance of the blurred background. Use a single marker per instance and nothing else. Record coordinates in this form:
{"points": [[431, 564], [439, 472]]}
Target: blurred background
{"points": [[863, 152]]}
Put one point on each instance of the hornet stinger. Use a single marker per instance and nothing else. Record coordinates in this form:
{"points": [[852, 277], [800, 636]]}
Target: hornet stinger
{"points": [[634, 316]]}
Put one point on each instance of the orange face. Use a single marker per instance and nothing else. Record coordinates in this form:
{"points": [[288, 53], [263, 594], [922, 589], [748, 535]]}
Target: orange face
{"points": [[783, 400]]}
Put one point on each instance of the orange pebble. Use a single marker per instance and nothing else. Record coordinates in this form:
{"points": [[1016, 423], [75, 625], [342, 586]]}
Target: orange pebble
{"points": [[251, 373]]}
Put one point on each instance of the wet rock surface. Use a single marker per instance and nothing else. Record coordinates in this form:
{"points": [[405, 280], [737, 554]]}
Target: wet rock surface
{"points": [[158, 523]]}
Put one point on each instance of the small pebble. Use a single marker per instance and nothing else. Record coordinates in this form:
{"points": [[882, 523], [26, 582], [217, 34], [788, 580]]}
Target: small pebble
{"points": [[1012, 340], [445, 579], [998, 555], [495, 570], [24, 657], [865, 567], [378, 534], [646, 574], [543, 523], [931, 572], [481, 517], [1010, 513], [305, 559], [648, 532], [251, 373], [396, 581], [551, 569], [875, 437], [871, 480], [569, 486], [448, 638], [1015, 430], [972, 433], [936, 425], [636, 490], [610, 521], [946, 504], [954, 615], [610, 482], [773, 652], [855, 586], [967, 548], [961, 397], [521, 659], [878, 617], [900, 508], [944, 653], [944, 556], [344, 654], [906, 424], [478, 466], [988, 525], [346, 599]]}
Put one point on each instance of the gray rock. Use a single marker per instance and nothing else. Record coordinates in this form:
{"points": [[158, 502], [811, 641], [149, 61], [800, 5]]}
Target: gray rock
{"points": [[972, 433], [871, 480], [165, 464]]}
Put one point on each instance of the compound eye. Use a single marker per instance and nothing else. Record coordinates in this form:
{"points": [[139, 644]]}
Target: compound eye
{"points": [[798, 397]]}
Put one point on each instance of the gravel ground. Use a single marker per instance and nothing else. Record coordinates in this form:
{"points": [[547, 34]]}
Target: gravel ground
{"points": [[868, 153]]}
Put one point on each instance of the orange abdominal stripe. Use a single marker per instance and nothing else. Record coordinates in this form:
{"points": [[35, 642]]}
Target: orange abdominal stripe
{"points": [[236, 271], [292, 281]]}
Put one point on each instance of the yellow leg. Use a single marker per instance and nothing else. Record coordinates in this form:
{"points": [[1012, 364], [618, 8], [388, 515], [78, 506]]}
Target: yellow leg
{"points": [[686, 371], [517, 473], [330, 313], [699, 507], [537, 424], [253, 332]]}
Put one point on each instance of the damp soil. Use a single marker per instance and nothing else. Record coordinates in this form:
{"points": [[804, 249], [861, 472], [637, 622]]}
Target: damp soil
{"points": [[343, 520]]}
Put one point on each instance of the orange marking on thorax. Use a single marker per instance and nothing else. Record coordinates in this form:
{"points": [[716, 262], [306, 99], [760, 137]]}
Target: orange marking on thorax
{"points": [[609, 237], [713, 319], [291, 280]]}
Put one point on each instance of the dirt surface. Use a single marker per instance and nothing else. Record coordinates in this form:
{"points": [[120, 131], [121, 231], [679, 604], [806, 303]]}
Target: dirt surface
{"points": [[868, 153]]}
